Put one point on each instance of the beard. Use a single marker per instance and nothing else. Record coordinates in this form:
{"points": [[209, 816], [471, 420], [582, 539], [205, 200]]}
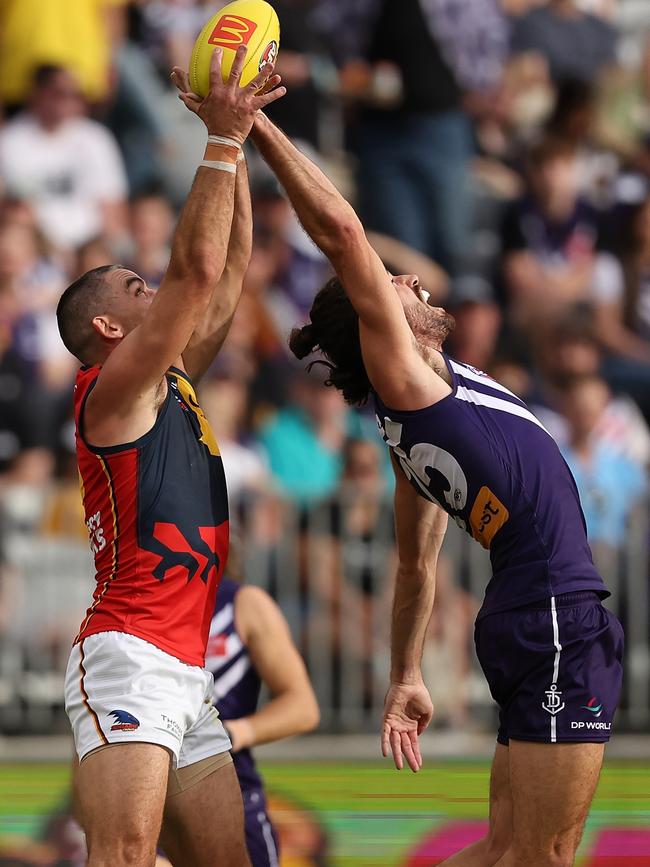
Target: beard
{"points": [[430, 326]]}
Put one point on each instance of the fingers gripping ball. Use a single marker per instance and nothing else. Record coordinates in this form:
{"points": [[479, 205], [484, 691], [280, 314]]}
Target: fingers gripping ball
{"points": [[253, 23]]}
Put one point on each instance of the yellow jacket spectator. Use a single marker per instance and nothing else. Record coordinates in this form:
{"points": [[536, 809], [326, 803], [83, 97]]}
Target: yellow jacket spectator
{"points": [[75, 34]]}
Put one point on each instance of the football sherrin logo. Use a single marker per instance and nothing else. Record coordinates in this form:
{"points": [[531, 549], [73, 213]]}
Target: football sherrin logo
{"points": [[231, 31], [270, 55], [593, 706], [125, 722]]}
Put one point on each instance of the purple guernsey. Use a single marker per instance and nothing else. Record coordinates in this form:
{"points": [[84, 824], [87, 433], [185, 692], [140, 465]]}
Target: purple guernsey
{"points": [[236, 683], [491, 465]]}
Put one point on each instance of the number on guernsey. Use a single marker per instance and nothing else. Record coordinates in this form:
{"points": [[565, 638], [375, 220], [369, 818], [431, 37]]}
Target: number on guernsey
{"points": [[96, 533]]}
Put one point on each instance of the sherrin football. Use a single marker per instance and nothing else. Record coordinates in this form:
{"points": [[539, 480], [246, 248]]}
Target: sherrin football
{"points": [[253, 23]]}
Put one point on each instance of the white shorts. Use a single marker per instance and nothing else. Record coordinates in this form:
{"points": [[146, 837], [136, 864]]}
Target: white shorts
{"points": [[122, 689]]}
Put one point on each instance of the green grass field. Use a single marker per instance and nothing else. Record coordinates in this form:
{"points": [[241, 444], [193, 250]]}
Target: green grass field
{"points": [[367, 814]]}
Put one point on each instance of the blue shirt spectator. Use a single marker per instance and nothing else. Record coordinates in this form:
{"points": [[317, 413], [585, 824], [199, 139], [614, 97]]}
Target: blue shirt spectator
{"points": [[610, 483], [304, 441]]}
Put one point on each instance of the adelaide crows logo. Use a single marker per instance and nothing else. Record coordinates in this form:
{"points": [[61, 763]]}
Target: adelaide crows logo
{"points": [[125, 722]]}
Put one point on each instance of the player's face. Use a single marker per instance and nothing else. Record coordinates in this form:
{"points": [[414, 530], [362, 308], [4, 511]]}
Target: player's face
{"points": [[131, 298], [430, 325]]}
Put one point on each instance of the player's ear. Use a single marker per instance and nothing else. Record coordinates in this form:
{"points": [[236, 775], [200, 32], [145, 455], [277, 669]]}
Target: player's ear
{"points": [[106, 328]]}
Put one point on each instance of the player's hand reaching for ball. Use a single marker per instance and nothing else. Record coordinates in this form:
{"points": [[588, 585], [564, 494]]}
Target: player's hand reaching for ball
{"points": [[407, 712], [228, 109]]}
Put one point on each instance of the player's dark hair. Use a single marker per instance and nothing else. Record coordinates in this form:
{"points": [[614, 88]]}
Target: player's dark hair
{"points": [[334, 330], [77, 307]]}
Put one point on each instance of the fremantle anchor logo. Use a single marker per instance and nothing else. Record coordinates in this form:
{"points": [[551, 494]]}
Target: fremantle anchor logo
{"points": [[554, 703]]}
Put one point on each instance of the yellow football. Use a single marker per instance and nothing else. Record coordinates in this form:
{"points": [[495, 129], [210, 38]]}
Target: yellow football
{"points": [[253, 23]]}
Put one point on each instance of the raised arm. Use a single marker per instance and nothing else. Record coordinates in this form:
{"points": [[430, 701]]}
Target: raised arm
{"points": [[130, 376], [293, 708], [212, 330], [333, 225], [420, 527]]}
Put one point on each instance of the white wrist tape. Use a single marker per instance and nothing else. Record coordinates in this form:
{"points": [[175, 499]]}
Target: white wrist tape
{"points": [[224, 140], [241, 156], [220, 166]]}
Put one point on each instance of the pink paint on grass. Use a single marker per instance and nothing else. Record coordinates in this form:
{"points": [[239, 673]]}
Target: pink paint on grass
{"points": [[621, 847], [449, 838]]}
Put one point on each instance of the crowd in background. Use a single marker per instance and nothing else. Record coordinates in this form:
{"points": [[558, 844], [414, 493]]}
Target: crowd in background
{"points": [[500, 149]]}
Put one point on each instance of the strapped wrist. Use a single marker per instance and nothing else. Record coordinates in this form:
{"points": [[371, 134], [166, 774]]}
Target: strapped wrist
{"points": [[226, 140], [219, 166]]}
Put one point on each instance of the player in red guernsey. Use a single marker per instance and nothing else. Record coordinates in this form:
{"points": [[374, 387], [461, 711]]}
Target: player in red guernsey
{"points": [[153, 755]]}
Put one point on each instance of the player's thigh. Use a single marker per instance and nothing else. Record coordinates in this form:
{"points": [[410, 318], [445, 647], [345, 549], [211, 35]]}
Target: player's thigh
{"points": [[552, 789], [203, 826], [121, 791]]}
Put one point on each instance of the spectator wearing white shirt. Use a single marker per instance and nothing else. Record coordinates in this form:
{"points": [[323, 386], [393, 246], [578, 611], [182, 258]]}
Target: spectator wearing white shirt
{"points": [[66, 165]]}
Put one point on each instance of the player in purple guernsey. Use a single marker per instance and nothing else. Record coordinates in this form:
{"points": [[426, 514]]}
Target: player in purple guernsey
{"points": [[464, 447], [250, 644]]}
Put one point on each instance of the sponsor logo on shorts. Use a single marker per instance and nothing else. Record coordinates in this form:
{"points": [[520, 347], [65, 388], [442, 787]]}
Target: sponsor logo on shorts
{"points": [[594, 706], [553, 703], [231, 31], [589, 726], [124, 721], [172, 726], [270, 54]]}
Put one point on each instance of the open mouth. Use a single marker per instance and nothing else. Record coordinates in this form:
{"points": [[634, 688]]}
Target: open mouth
{"points": [[424, 295]]}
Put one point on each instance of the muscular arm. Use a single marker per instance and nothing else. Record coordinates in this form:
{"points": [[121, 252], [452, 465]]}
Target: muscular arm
{"points": [[332, 224], [420, 527], [122, 404], [292, 708], [212, 330], [120, 407]]}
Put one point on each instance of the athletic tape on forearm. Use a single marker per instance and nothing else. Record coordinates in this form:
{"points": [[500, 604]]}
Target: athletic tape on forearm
{"points": [[224, 140], [220, 166]]}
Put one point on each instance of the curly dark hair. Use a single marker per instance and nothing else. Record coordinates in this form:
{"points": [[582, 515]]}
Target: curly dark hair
{"points": [[334, 330]]}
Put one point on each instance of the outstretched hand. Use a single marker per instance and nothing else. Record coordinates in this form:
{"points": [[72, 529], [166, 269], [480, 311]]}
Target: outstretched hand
{"points": [[229, 109], [407, 713]]}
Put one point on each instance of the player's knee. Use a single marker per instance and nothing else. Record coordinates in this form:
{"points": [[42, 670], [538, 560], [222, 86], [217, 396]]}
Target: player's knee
{"points": [[129, 848], [555, 853]]}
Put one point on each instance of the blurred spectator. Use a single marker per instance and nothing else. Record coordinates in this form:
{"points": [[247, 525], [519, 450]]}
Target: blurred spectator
{"points": [[478, 322], [152, 224], [92, 254], [573, 355], [168, 28], [574, 121], [305, 69], [550, 239], [304, 440], [25, 434], [66, 165], [609, 483], [74, 34], [575, 44], [414, 148], [30, 285], [225, 402], [353, 561]]}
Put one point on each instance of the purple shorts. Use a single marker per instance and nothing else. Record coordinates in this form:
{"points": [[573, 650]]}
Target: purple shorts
{"points": [[261, 839], [554, 669]]}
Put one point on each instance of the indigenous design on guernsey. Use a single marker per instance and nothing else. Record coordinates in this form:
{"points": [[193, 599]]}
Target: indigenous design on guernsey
{"points": [[236, 683], [157, 516], [491, 465]]}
